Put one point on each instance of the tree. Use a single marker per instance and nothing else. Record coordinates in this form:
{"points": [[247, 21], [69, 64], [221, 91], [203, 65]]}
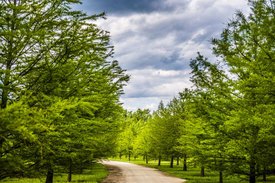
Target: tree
{"points": [[239, 101], [247, 47], [214, 101], [142, 145], [165, 131], [190, 127], [54, 64], [130, 135]]}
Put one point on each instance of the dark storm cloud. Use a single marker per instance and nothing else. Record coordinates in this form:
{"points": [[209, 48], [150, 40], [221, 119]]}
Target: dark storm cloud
{"points": [[121, 7], [155, 40]]}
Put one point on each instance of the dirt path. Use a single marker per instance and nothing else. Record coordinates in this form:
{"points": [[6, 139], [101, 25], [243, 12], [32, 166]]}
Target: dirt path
{"points": [[121, 172]]}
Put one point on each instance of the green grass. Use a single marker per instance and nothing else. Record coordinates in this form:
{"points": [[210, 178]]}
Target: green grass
{"points": [[193, 174], [94, 175]]}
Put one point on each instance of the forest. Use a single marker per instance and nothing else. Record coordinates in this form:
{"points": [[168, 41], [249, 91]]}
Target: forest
{"points": [[60, 90]]}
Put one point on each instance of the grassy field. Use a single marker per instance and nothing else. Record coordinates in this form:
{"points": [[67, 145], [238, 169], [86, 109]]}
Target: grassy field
{"points": [[95, 175], [193, 174]]}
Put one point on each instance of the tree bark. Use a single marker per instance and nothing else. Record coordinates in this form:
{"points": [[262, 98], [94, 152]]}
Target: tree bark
{"points": [[178, 160], [5, 89], [10, 57], [221, 177], [146, 159], [185, 163], [172, 161], [264, 174], [252, 173], [70, 171], [159, 161], [129, 156], [221, 170], [202, 171], [49, 178]]}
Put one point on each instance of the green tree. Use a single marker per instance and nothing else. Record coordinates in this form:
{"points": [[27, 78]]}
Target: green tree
{"points": [[143, 144], [247, 47], [55, 65], [165, 126], [132, 126], [237, 104], [213, 102]]}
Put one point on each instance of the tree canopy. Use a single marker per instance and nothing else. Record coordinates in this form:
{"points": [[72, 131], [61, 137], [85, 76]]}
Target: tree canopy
{"points": [[225, 122], [59, 87]]}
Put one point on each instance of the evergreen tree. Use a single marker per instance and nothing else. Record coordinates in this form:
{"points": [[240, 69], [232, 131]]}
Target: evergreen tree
{"points": [[59, 89]]}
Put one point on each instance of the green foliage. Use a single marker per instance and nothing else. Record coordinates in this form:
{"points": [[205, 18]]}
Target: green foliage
{"points": [[226, 121], [59, 89], [236, 106], [132, 138]]}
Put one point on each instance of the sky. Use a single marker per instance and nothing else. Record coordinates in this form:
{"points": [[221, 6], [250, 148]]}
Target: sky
{"points": [[155, 40]]}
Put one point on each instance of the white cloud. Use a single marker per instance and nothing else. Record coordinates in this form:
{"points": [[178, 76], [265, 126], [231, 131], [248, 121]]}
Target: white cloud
{"points": [[157, 83], [156, 47], [151, 103]]}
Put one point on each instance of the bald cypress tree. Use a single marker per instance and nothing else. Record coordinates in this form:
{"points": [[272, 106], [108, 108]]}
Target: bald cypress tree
{"points": [[54, 65], [247, 46], [243, 112]]}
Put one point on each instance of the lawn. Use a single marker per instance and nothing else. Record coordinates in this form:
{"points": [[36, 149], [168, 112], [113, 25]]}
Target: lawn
{"points": [[193, 174], [94, 175]]}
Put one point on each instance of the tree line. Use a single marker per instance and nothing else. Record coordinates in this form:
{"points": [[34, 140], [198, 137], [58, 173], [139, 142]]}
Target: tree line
{"points": [[59, 89], [225, 122]]}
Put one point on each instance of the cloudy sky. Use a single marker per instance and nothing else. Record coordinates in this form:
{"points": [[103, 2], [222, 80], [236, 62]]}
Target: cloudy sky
{"points": [[155, 39]]}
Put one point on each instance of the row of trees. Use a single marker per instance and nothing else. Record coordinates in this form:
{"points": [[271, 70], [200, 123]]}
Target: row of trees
{"points": [[59, 90], [226, 121]]}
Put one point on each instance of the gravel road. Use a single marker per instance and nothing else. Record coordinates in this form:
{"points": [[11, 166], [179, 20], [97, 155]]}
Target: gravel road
{"points": [[121, 172]]}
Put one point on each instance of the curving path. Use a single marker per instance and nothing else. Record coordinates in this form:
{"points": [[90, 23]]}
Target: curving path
{"points": [[121, 172]]}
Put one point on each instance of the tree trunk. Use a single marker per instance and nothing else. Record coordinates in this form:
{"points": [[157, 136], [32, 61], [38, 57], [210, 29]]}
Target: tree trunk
{"points": [[221, 177], [7, 75], [202, 171], [178, 160], [159, 161], [5, 91], [221, 170], [172, 162], [185, 163], [146, 159], [129, 156], [252, 173], [264, 174], [70, 170], [49, 178], [8, 64], [81, 167]]}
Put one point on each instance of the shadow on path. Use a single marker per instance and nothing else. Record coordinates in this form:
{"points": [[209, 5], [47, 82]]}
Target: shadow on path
{"points": [[115, 175]]}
